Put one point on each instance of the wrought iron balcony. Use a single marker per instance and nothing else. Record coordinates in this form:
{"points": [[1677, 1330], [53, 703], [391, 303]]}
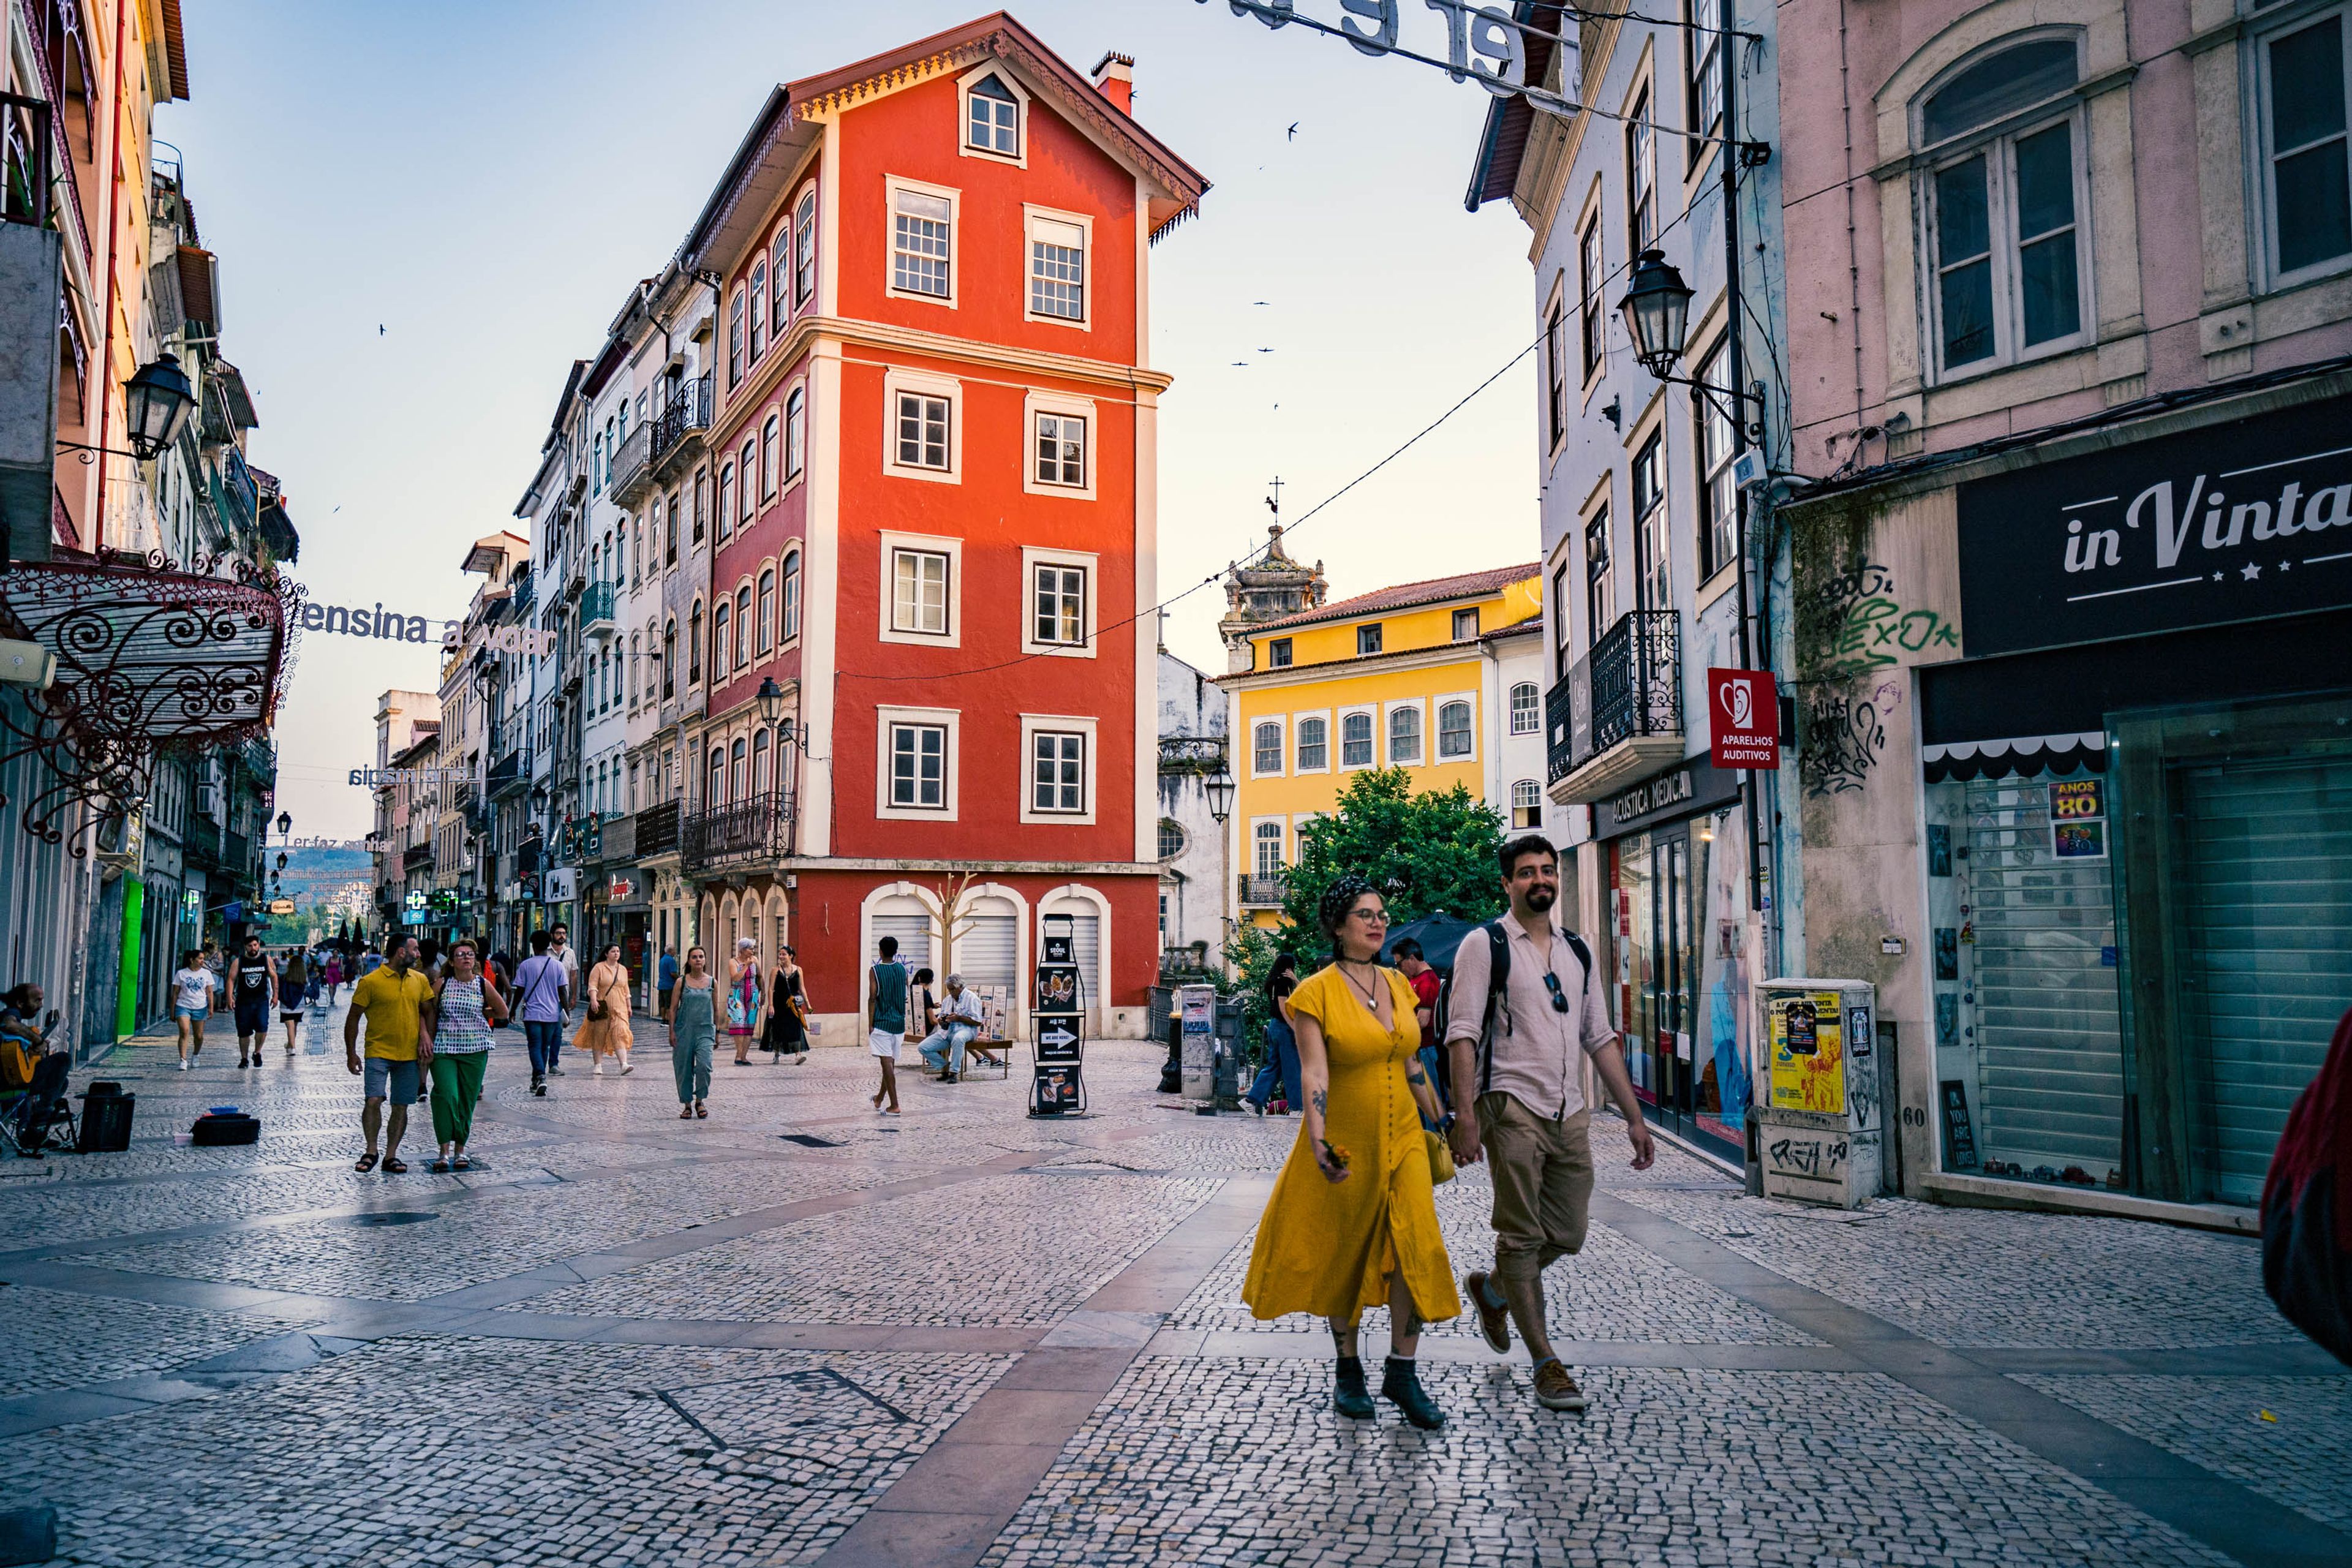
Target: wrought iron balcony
{"points": [[1261, 892], [596, 611], [657, 831], [417, 856], [1618, 713], [526, 591], [754, 829], [682, 421], [633, 468], [507, 774], [619, 845]]}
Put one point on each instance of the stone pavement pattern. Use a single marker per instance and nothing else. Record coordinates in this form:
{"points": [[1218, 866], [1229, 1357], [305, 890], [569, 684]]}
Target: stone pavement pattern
{"points": [[801, 1333]]}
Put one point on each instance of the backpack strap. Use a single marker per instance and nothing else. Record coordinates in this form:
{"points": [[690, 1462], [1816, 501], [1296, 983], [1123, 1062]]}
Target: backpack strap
{"points": [[1498, 977]]}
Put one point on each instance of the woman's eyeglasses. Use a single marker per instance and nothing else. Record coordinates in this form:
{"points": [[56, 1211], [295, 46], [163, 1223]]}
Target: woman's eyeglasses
{"points": [[1559, 997]]}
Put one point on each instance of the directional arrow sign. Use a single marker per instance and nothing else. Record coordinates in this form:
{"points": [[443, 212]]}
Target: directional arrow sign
{"points": [[1057, 1036]]}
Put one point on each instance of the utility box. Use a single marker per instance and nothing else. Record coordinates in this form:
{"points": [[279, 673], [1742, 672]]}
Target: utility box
{"points": [[1196, 1008], [1820, 1126]]}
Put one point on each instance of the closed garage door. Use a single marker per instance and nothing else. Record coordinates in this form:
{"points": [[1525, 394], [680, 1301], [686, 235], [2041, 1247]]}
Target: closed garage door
{"points": [[914, 934], [2269, 916]]}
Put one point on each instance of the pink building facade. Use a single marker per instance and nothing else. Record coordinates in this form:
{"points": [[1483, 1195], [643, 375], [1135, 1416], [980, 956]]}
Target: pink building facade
{"points": [[2069, 578]]}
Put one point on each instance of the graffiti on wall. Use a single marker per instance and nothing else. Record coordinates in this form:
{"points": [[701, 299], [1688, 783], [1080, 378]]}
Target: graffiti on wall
{"points": [[1854, 625]]}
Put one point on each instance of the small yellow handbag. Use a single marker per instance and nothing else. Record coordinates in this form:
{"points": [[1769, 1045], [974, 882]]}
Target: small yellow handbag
{"points": [[1441, 1158]]}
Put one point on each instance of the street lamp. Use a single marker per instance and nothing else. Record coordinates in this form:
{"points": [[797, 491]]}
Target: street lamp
{"points": [[284, 823], [770, 698], [1220, 786], [157, 402], [1656, 308], [281, 860]]}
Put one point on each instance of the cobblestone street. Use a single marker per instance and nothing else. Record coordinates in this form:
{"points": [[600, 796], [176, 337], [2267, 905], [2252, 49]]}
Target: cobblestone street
{"points": [[799, 1332]]}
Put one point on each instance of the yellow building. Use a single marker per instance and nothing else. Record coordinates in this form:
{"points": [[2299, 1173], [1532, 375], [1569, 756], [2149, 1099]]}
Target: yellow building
{"points": [[1440, 677]]}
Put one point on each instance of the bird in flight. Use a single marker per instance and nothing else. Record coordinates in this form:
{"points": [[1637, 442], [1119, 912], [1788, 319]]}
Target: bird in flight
{"points": [[379, 329], [1294, 131]]}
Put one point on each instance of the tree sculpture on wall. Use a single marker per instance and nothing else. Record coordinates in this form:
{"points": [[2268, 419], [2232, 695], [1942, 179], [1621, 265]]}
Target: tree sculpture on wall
{"points": [[952, 921]]}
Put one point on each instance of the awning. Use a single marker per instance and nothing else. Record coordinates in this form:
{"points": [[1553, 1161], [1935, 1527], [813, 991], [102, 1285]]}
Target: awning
{"points": [[2086, 750], [150, 659]]}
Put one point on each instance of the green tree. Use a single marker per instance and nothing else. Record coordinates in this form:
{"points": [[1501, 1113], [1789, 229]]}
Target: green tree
{"points": [[1426, 853]]}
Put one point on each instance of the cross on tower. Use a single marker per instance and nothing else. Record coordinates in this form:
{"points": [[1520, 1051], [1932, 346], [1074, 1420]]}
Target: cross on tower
{"points": [[1274, 502]]}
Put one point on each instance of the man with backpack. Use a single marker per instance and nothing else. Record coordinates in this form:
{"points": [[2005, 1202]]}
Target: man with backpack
{"points": [[544, 995], [1526, 1009]]}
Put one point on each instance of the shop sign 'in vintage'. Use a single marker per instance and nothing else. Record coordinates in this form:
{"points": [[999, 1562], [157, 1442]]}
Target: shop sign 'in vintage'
{"points": [[2242, 519], [1744, 709]]}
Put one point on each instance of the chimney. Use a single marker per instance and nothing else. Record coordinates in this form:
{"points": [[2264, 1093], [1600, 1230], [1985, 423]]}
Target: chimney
{"points": [[1115, 79]]}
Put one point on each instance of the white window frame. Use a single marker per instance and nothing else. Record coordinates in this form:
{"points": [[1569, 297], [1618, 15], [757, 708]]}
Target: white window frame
{"points": [[1032, 557], [2260, 152], [796, 433], [1430, 744], [1535, 709], [1535, 799], [1330, 741], [1557, 324], [892, 185], [792, 602], [993, 67], [1035, 724], [1281, 825], [1338, 742], [885, 719], [896, 382], [1085, 223], [1036, 402], [1383, 745], [1281, 768], [932, 544], [1996, 141]]}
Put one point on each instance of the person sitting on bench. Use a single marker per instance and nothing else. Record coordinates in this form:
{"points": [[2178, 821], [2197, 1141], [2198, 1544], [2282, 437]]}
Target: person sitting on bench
{"points": [[959, 1025]]}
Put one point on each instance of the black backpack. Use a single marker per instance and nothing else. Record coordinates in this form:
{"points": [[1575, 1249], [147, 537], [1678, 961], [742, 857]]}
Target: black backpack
{"points": [[1498, 976]]}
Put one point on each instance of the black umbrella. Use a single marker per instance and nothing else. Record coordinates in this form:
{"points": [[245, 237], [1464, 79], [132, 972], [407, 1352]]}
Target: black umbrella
{"points": [[1439, 934]]}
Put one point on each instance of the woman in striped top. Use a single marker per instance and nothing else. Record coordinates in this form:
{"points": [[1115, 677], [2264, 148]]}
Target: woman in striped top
{"points": [[466, 1006]]}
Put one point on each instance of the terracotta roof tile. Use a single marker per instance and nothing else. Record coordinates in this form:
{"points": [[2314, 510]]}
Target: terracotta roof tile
{"points": [[1405, 595]]}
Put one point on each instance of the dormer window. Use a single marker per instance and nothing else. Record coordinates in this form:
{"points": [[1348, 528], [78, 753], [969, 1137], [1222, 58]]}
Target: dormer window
{"points": [[992, 118]]}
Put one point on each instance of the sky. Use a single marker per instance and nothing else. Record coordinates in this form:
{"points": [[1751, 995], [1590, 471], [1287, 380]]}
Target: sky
{"points": [[426, 211]]}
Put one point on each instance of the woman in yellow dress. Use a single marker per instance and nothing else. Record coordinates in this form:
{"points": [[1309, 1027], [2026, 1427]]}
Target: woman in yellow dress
{"points": [[1353, 1219]]}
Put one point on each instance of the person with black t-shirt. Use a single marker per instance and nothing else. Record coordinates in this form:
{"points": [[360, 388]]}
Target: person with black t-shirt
{"points": [[252, 985]]}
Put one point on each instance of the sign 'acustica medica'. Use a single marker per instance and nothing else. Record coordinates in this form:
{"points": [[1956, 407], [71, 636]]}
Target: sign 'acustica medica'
{"points": [[2229, 523]]}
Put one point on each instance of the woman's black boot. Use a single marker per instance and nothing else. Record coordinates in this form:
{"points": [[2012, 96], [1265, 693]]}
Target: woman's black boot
{"points": [[1400, 1386], [1350, 1398]]}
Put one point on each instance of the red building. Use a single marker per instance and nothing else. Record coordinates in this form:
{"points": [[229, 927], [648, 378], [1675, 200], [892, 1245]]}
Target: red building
{"points": [[933, 483]]}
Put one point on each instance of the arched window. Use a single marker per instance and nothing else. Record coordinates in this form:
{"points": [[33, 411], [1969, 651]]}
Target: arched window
{"points": [[717, 795], [1314, 746], [1356, 740], [745, 500], [1454, 736], [1527, 716], [742, 627], [1526, 805], [796, 433], [759, 314], [804, 252], [726, 499], [637, 551], [1266, 749], [694, 646], [2000, 216], [718, 643], [1404, 735], [780, 266], [735, 341], [735, 780], [670, 538], [767, 610], [792, 621], [768, 459], [669, 660], [633, 669], [1172, 839], [760, 764]]}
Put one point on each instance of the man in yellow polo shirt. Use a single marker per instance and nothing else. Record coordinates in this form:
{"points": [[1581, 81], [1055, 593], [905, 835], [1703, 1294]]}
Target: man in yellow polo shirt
{"points": [[397, 1002]]}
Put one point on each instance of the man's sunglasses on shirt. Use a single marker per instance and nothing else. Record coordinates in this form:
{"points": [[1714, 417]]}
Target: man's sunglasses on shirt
{"points": [[1559, 997]]}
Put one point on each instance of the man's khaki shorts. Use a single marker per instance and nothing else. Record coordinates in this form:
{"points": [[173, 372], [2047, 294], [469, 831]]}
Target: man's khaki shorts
{"points": [[1542, 1175]]}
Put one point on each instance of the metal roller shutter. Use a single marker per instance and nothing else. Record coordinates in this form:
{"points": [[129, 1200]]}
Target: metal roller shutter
{"points": [[914, 934], [2267, 907], [986, 951], [1085, 944], [2051, 1045]]}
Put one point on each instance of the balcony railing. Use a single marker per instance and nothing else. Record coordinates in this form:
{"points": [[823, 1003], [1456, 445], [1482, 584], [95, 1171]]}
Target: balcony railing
{"points": [[417, 857], [686, 414], [619, 841], [596, 611], [657, 831], [526, 591], [1261, 892], [1619, 713], [506, 775], [632, 465], [760, 827]]}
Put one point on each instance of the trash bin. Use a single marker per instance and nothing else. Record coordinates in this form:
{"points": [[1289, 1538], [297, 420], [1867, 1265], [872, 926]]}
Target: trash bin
{"points": [[1820, 1129], [106, 1114]]}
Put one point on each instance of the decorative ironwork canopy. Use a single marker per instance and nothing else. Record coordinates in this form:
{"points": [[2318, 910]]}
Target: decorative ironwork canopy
{"points": [[151, 659]]}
